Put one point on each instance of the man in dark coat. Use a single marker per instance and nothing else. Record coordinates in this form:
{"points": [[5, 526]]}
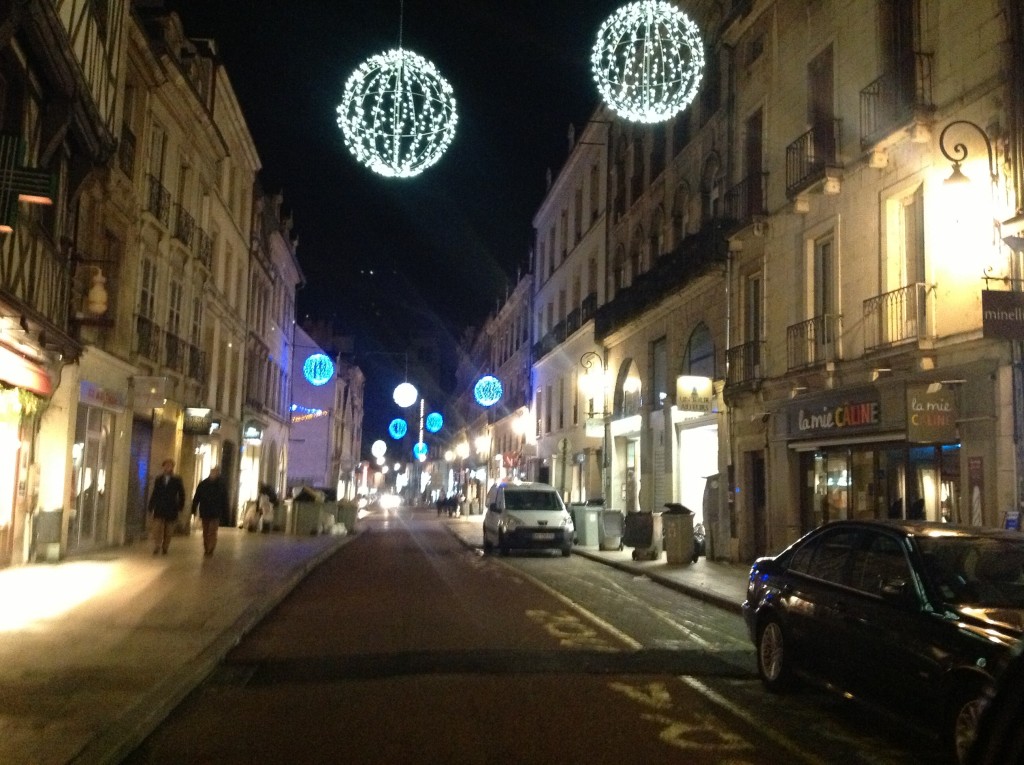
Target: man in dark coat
{"points": [[165, 503], [211, 500]]}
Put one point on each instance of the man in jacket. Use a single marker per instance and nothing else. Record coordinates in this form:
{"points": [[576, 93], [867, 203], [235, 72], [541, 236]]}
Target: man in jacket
{"points": [[211, 500], [165, 503]]}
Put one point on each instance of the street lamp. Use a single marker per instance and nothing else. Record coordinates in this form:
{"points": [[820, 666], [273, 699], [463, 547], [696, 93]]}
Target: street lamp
{"points": [[960, 153], [593, 384]]}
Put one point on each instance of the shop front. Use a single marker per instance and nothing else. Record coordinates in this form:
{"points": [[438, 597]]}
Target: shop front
{"points": [[871, 453]]}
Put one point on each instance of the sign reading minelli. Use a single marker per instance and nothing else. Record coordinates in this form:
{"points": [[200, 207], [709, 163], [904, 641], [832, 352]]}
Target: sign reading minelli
{"points": [[848, 412], [931, 414], [1002, 314]]}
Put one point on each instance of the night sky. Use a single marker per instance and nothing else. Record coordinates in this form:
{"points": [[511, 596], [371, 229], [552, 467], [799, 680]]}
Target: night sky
{"points": [[439, 250]]}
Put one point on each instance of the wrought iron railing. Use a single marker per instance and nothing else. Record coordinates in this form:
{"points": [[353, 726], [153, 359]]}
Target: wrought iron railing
{"points": [[812, 154], [159, 200], [814, 341], [895, 317], [588, 307], [184, 226], [204, 248], [196, 369], [888, 103], [175, 352], [573, 321], [147, 338], [744, 363], [748, 198]]}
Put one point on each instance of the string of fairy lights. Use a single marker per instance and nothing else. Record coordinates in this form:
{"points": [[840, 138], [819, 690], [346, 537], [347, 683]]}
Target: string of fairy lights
{"points": [[398, 114]]}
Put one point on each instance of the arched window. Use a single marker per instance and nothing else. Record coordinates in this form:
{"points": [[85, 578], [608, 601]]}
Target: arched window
{"points": [[699, 358], [636, 259], [619, 270]]}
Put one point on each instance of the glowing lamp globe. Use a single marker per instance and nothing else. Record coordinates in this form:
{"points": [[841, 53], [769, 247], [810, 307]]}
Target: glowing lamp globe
{"points": [[648, 61], [318, 369], [487, 390], [397, 429], [434, 422], [405, 394], [419, 451], [397, 114], [379, 448]]}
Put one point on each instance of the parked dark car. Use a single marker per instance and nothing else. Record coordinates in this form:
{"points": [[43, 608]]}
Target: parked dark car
{"points": [[920, 616]]}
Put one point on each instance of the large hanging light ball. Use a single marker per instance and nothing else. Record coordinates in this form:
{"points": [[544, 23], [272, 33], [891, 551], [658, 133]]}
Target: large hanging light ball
{"points": [[397, 114], [487, 390], [405, 394], [648, 61]]}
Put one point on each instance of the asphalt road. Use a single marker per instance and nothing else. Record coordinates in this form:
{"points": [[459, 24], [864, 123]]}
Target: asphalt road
{"points": [[408, 647]]}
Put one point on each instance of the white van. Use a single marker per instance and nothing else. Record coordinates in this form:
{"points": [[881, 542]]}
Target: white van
{"points": [[527, 515]]}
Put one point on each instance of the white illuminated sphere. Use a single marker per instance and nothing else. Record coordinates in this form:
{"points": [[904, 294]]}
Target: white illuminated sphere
{"points": [[648, 61], [406, 394], [397, 114]]}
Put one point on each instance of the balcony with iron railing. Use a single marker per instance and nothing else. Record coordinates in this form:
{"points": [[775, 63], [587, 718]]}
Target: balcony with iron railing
{"points": [[748, 200], [814, 342], [901, 96], [204, 248], [184, 225], [813, 157], [175, 353], [744, 363], [196, 369], [896, 317], [158, 201], [573, 321], [147, 338], [588, 307]]}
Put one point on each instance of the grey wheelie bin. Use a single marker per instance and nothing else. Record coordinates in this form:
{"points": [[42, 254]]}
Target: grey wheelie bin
{"points": [[611, 528], [642, 531], [677, 523], [585, 519]]}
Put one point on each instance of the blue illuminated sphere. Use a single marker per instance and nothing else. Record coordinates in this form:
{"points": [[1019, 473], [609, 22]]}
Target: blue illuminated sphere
{"points": [[318, 369], [398, 428], [419, 451], [434, 422], [487, 390]]}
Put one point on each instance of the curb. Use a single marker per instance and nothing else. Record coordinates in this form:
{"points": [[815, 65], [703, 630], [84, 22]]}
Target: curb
{"points": [[129, 730], [714, 599]]}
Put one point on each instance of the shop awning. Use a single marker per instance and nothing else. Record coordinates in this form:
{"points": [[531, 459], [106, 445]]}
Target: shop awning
{"points": [[814, 445], [18, 371]]}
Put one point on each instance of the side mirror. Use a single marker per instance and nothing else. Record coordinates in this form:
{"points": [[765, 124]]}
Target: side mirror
{"points": [[897, 591]]}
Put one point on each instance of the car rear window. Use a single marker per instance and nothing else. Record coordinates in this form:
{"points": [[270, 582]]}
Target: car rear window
{"points": [[975, 571], [531, 500]]}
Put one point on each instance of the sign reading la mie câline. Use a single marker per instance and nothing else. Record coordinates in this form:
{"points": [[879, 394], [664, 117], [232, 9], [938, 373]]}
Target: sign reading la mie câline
{"points": [[1002, 314]]}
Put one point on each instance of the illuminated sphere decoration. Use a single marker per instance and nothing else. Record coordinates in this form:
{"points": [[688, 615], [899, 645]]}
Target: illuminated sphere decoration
{"points": [[648, 61], [397, 429], [397, 114], [434, 422], [487, 390], [405, 394], [379, 448], [318, 369], [419, 451]]}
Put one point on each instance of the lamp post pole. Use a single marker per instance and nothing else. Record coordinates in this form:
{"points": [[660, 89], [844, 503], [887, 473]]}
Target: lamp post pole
{"points": [[957, 155]]}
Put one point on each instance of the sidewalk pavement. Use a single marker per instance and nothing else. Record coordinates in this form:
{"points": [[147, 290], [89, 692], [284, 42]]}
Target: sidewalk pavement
{"points": [[96, 651], [721, 584]]}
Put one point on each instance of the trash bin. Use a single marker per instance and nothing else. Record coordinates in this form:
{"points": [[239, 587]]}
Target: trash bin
{"points": [[610, 530], [642, 531], [347, 513], [46, 528], [311, 518], [585, 519], [677, 522]]}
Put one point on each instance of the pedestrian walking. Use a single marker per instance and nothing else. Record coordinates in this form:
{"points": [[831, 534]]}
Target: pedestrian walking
{"points": [[211, 501], [166, 502]]}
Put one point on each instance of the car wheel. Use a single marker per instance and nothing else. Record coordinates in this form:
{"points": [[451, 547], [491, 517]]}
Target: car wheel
{"points": [[773, 665], [566, 552], [488, 547], [964, 715]]}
